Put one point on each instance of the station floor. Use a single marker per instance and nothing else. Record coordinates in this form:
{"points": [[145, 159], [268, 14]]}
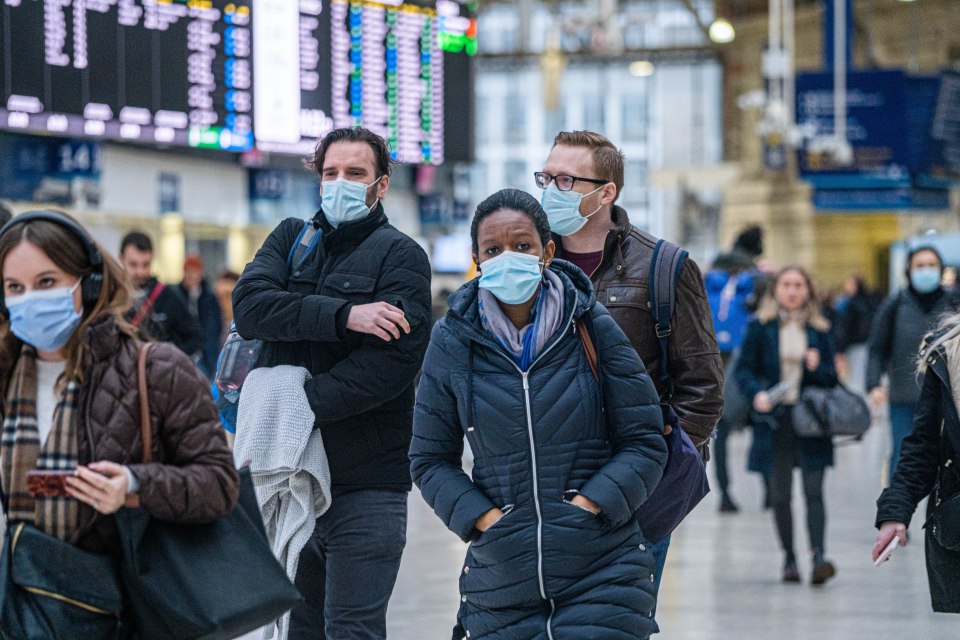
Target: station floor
{"points": [[722, 579]]}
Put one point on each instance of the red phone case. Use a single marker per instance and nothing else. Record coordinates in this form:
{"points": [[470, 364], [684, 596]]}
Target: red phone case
{"points": [[47, 484]]}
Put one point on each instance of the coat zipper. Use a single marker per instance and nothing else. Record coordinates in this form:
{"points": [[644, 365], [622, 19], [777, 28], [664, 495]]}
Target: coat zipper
{"points": [[524, 375], [536, 482]]}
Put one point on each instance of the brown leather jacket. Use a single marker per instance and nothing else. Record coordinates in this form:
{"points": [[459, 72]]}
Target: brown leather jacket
{"points": [[194, 479], [621, 286]]}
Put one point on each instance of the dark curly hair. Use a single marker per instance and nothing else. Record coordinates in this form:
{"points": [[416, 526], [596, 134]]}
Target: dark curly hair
{"points": [[511, 199]]}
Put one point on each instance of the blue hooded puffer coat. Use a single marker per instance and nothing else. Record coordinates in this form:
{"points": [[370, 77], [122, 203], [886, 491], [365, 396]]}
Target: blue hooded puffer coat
{"points": [[548, 568]]}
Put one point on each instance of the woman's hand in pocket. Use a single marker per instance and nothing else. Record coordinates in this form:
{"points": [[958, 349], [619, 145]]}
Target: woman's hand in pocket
{"points": [[585, 503], [488, 519]]}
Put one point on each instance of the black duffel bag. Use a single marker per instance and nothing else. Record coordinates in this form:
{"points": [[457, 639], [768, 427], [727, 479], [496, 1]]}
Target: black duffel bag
{"points": [[53, 590], [836, 411]]}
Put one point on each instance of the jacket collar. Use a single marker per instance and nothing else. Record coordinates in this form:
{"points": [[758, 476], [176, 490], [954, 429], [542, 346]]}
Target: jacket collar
{"points": [[101, 339], [936, 359], [463, 317], [939, 364], [351, 231], [612, 244]]}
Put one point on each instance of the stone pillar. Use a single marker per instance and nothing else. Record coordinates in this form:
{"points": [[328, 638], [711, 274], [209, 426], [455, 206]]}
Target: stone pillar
{"points": [[170, 250], [779, 204], [239, 248]]}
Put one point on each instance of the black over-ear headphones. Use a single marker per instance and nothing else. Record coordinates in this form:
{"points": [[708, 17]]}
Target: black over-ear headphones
{"points": [[92, 282]]}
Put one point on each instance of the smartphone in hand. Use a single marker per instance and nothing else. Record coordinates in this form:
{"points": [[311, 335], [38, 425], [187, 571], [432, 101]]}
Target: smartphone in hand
{"points": [[885, 554], [44, 483]]}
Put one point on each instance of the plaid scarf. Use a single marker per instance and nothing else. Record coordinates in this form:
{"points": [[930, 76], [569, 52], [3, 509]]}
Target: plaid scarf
{"points": [[21, 451]]}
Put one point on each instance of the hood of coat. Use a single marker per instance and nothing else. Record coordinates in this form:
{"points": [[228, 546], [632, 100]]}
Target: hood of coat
{"points": [[463, 316]]}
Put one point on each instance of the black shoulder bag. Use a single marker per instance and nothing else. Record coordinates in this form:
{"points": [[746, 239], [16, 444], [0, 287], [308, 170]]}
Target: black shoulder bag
{"points": [[213, 581], [53, 590]]}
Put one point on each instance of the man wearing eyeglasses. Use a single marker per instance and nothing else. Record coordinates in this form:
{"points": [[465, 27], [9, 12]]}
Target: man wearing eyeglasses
{"points": [[581, 180]]}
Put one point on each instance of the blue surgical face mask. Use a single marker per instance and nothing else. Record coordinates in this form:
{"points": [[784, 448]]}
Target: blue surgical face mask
{"points": [[44, 319], [925, 279], [511, 277], [345, 201], [563, 209]]}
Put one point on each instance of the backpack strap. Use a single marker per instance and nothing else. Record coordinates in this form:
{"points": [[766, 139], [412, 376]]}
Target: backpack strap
{"points": [[668, 260], [303, 246]]}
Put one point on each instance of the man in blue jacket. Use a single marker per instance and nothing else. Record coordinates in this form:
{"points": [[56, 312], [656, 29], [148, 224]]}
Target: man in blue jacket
{"points": [[352, 306]]}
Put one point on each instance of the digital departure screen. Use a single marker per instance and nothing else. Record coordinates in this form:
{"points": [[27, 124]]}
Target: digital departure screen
{"points": [[238, 74]]}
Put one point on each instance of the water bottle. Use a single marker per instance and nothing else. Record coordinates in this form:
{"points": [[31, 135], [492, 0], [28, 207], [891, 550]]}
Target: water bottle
{"points": [[237, 358]]}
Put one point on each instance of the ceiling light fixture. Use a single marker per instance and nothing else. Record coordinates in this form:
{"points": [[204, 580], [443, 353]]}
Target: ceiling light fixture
{"points": [[641, 68], [721, 31]]}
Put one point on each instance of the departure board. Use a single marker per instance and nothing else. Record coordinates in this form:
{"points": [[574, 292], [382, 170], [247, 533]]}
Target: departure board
{"points": [[239, 74]]}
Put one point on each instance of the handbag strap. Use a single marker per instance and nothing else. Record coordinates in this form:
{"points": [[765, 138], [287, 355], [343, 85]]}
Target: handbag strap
{"points": [[146, 430], [588, 348]]}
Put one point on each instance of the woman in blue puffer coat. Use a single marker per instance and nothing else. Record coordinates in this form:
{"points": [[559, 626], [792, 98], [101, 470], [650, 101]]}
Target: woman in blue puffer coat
{"points": [[561, 461]]}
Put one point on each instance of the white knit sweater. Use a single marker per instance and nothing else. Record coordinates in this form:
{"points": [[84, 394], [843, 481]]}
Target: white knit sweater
{"points": [[288, 463]]}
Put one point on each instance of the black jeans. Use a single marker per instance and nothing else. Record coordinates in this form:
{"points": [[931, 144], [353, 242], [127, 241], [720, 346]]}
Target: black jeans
{"points": [[347, 570], [719, 452], [786, 456]]}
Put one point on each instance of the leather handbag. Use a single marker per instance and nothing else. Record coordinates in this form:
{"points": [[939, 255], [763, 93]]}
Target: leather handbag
{"points": [[944, 518], [53, 590], [213, 581], [824, 412], [944, 522]]}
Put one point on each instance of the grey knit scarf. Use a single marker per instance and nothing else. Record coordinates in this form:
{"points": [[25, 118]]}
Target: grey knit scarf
{"points": [[549, 308]]}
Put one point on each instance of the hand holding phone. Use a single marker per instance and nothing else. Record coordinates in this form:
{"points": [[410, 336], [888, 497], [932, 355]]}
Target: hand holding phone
{"points": [[46, 483], [885, 554]]}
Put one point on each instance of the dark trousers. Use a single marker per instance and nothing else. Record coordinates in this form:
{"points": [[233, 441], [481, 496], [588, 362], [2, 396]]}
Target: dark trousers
{"points": [[901, 424], [786, 456], [719, 452], [659, 551], [348, 569]]}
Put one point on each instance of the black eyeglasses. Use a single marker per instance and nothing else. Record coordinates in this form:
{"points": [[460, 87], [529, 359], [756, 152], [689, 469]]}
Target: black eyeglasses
{"points": [[564, 183]]}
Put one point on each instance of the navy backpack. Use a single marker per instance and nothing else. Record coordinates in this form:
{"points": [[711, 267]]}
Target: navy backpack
{"points": [[684, 483]]}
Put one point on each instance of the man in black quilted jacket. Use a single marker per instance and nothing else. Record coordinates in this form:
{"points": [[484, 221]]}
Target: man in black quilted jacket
{"points": [[352, 306]]}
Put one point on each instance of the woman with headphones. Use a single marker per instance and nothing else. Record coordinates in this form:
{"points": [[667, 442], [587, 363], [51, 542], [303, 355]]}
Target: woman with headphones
{"points": [[69, 398]]}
